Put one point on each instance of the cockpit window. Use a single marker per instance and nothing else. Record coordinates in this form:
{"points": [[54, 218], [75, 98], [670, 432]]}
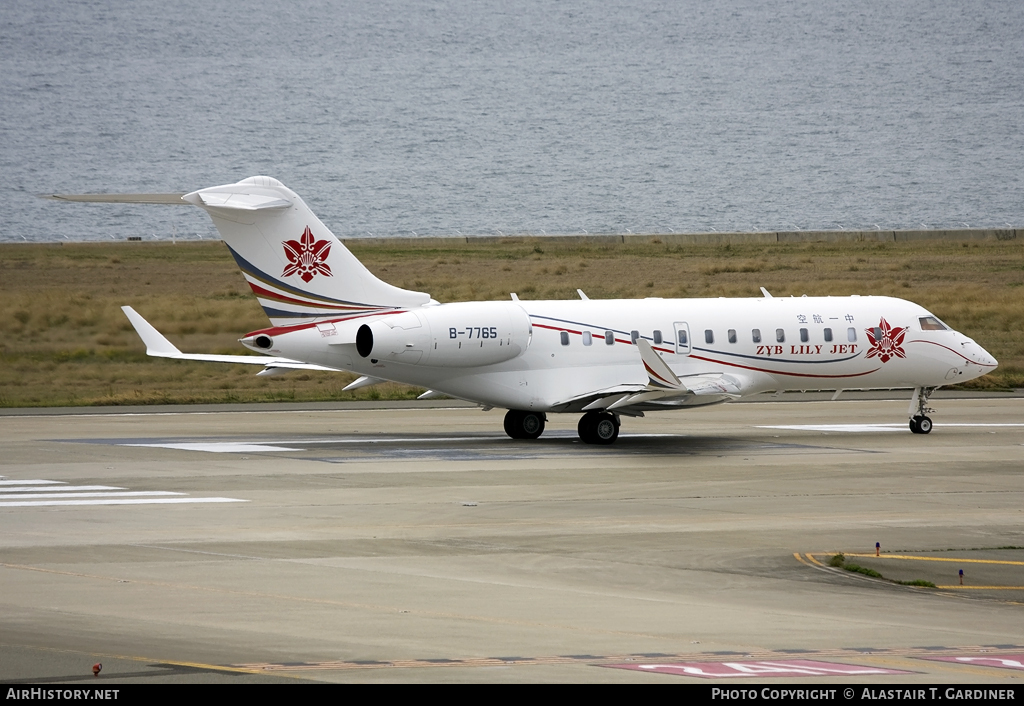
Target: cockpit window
{"points": [[930, 323]]}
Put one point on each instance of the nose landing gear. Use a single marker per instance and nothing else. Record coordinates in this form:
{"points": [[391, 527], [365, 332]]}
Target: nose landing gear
{"points": [[920, 423]]}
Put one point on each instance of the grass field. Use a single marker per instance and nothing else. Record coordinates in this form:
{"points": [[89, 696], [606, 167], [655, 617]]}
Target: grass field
{"points": [[65, 341]]}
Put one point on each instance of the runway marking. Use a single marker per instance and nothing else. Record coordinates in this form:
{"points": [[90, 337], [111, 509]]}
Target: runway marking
{"points": [[983, 588], [739, 670], [952, 587], [64, 496], [153, 501], [1001, 662], [939, 558], [635, 661], [50, 493], [62, 489], [811, 557], [217, 447], [876, 428], [849, 428]]}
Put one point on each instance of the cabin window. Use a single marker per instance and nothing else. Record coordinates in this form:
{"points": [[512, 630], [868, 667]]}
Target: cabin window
{"points": [[732, 335], [709, 336], [780, 335], [851, 334], [755, 335], [565, 338], [634, 336], [609, 338], [828, 335], [930, 323], [804, 337], [587, 338], [878, 333], [657, 338], [682, 337]]}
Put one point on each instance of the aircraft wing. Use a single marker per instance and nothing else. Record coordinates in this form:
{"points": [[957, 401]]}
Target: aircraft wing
{"points": [[663, 386], [663, 383], [158, 346]]}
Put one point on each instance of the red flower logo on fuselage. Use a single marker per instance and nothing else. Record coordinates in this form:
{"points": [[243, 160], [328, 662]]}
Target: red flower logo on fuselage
{"points": [[886, 341], [307, 258]]}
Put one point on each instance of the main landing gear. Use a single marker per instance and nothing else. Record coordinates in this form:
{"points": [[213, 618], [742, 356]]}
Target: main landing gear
{"points": [[920, 423], [524, 425], [594, 427], [598, 428]]}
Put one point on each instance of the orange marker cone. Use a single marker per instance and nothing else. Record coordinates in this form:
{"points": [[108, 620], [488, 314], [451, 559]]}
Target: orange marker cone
{"points": [[96, 669]]}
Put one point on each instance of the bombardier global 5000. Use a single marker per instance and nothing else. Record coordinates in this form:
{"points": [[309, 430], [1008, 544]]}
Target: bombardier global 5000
{"points": [[601, 359]]}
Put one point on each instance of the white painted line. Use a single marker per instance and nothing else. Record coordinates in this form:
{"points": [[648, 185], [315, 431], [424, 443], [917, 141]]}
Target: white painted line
{"points": [[259, 411], [126, 501], [856, 428], [54, 496], [983, 425], [851, 428], [32, 482], [62, 489], [217, 448], [384, 440]]}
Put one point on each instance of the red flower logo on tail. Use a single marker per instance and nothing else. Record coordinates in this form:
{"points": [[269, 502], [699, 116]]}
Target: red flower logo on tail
{"points": [[886, 341], [306, 258]]}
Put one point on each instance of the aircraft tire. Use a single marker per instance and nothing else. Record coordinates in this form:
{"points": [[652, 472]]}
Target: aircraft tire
{"points": [[921, 425], [524, 425], [598, 428], [585, 428]]}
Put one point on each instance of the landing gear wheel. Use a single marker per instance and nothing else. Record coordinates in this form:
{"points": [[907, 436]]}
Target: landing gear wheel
{"points": [[598, 428], [524, 425], [921, 424]]}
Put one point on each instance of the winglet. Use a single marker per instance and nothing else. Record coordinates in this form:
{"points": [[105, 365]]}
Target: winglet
{"points": [[766, 293], [659, 374], [156, 344]]}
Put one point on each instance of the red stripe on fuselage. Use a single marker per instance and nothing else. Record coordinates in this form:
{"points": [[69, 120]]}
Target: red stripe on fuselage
{"points": [[278, 330], [983, 365], [779, 372], [731, 365]]}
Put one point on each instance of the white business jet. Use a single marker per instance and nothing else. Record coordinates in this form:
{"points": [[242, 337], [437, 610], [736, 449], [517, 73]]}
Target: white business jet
{"points": [[603, 359]]}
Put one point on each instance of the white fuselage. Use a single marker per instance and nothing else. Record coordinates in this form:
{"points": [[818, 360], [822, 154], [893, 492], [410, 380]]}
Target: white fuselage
{"points": [[805, 343]]}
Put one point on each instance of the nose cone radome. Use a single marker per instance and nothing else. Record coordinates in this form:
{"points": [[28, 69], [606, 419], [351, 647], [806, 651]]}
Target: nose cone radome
{"points": [[981, 362]]}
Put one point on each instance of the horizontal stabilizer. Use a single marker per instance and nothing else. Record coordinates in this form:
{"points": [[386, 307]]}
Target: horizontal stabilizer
{"points": [[158, 346], [162, 199], [241, 202]]}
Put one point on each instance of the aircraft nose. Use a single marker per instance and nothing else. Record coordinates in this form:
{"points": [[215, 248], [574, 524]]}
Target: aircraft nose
{"points": [[987, 358], [980, 356]]}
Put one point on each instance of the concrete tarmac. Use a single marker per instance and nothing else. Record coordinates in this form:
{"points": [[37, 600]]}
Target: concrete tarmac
{"points": [[421, 544]]}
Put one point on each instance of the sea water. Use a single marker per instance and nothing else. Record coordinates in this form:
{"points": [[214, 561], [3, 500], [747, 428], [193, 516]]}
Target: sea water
{"points": [[448, 117]]}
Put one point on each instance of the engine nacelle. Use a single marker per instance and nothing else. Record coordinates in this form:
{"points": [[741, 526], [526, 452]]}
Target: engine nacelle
{"points": [[461, 335]]}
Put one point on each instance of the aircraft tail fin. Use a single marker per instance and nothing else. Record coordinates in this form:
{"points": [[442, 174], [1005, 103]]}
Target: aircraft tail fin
{"points": [[298, 269]]}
